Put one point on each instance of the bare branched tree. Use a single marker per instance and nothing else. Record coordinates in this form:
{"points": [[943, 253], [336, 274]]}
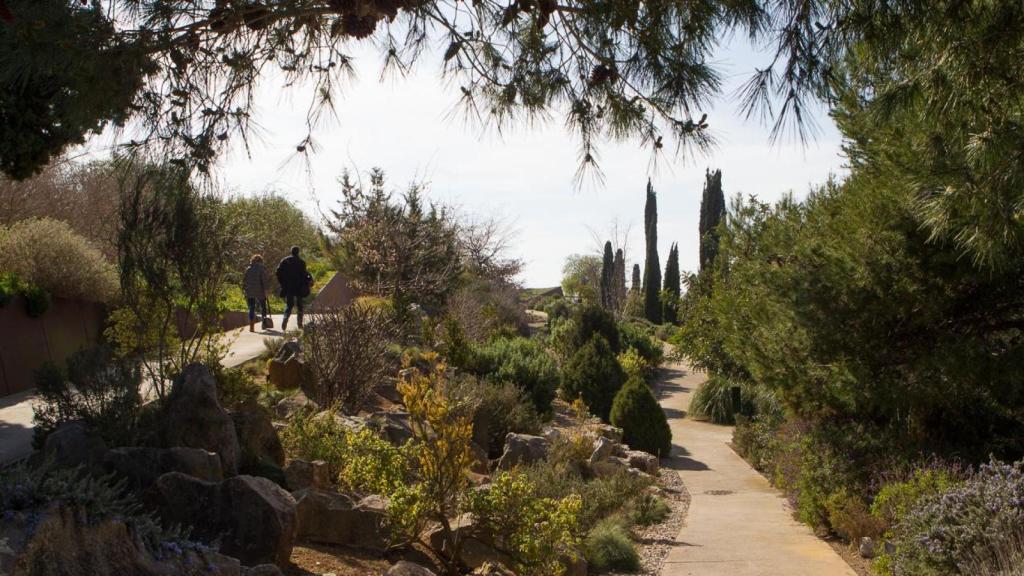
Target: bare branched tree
{"points": [[346, 350]]}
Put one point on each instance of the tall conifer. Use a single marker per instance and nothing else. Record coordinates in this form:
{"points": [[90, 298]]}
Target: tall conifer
{"points": [[607, 276], [652, 267], [672, 289], [712, 212], [619, 279]]}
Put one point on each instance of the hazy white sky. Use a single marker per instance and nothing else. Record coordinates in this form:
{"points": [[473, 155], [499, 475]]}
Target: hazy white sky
{"points": [[525, 176]]}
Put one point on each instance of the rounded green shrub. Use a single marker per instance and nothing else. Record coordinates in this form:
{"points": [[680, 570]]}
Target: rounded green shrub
{"points": [[643, 423], [591, 320], [520, 361], [593, 374], [609, 547], [50, 255]]}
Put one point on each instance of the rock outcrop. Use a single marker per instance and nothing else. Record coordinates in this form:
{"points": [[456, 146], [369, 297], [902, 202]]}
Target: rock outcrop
{"points": [[328, 517], [193, 418], [522, 449], [141, 466], [253, 518], [301, 474]]}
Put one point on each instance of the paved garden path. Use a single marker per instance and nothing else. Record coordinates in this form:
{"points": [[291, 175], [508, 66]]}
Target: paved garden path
{"points": [[737, 525], [16, 409]]}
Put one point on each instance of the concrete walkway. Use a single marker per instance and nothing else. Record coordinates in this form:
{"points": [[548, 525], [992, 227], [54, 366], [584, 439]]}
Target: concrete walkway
{"points": [[737, 525], [16, 409]]}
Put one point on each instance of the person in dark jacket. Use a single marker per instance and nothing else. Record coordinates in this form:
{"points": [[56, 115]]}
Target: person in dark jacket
{"points": [[295, 283], [254, 285]]}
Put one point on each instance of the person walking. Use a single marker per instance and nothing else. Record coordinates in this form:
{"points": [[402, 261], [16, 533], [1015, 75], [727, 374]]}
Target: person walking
{"points": [[295, 284], [254, 286]]}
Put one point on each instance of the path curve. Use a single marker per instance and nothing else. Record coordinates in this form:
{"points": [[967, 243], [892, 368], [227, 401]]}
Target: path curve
{"points": [[737, 525]]}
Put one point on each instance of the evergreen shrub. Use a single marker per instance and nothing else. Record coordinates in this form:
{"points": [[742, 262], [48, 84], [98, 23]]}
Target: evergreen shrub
{"points": [[593, 374], [643, 422]]}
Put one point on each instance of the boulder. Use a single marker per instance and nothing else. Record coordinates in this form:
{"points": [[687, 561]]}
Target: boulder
{"points": [[262, 570], [476, 547], [481, 464], [253, 518], [351, 423], [55, 541], [575, 566], [74, 444], [610, 467], [290, 374], [259, 518], [642, 461], [141, 466], [301, 474], [867, 547], [290, 349], [188, 501], [608, 431], [603, 448], [394, 427], [492, 569], [389, 391], [522, 449], [294, 404], [193, 418], [404, 568], [331, 518], [258, 442]]}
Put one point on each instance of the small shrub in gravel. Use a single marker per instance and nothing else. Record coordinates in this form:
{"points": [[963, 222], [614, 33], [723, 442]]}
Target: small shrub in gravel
{"points": [[943, 533], [648, 509], [608, 547]]}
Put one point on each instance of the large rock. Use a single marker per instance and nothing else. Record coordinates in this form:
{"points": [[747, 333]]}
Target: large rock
{"points": [[642, 461], [74, 444], [188, 501], [55, 541], [395, 427], [290, 349], [141, 466], [389, 391], [290, 374], [476, 548], [301, 474], [521, 449], [331, 518], [295, 404], [258, 442], [610, 467], [405, 568], [603, 449], [259, 518], [480, 464], [607, 431], [193, 418], [253, 518], [262, 570], [492, 569]]}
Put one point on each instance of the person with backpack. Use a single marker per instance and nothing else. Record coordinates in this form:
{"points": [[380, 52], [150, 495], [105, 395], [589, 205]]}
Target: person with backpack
{"points": [[295, 284], [254, 286]]}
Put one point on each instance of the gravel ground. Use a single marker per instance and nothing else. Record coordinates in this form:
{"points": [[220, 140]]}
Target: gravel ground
{"points": [[654, 542]]}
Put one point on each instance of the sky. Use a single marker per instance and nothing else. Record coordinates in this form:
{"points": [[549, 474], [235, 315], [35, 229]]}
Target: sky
{"points": [[524, 176]]}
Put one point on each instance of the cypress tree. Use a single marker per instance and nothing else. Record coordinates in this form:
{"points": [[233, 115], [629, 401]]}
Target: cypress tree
{"points": [[652, 267], [635, 280], [619, 280], [712, 212], [672, 289], [607, 275]]}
